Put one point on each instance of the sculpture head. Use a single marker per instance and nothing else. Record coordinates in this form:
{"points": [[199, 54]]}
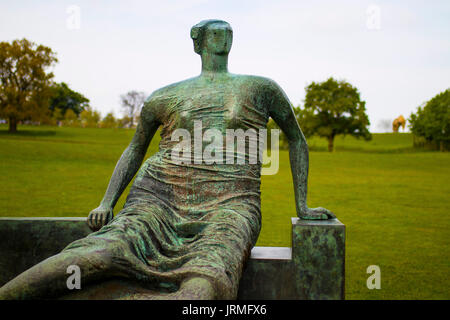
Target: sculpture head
{"points": [[212, 36]]}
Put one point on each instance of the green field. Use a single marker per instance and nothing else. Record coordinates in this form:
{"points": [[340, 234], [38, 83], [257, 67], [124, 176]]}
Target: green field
{"points": [[394, 200]]}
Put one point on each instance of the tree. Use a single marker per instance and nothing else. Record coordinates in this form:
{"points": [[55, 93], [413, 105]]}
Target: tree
{"points": [[64, 98], [132, 103], [70, 119], [56, 117], [109, 121], [432, 121], [25, 84], [89, 118], [332, 108], [125, 122]]}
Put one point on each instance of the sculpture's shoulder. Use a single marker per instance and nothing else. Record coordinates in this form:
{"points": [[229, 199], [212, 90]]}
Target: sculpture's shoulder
{"points": [[160, 98], [265, 92], [262, 84], [171, 90]]}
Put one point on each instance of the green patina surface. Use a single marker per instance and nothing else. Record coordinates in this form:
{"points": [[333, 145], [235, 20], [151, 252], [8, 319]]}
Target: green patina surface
{"points": [[25, 242], [319, 253], [273, 273], [186, 224]]}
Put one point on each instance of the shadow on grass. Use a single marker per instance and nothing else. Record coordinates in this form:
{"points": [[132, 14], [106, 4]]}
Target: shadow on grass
{"points": [[28, 133]]}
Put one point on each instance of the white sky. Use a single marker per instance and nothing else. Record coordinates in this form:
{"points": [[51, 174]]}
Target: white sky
{"points": [[397, 53]]}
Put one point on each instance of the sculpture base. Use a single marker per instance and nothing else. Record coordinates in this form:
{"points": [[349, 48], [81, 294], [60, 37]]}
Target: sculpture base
{"points": [[319, 257], [314, 268]]}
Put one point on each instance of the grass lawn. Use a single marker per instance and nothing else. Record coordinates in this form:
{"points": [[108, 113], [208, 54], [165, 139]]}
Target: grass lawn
{"points": [[393, 200]]}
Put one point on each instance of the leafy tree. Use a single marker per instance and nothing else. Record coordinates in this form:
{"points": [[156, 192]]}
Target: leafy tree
{"points": [[70, 119], [109, 121], [25, 84], [432, 121], [64, 98], [56, 117], [132, 103], [89, 118], [125, 122], [332, 108]]}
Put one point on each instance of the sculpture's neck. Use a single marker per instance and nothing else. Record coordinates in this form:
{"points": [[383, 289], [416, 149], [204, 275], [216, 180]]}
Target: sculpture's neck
{"points": [[213, 63]]}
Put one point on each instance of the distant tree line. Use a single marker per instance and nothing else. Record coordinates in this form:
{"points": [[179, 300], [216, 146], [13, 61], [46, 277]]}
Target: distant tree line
{"points": [[334, 108], [28, 93], [80, 114]]}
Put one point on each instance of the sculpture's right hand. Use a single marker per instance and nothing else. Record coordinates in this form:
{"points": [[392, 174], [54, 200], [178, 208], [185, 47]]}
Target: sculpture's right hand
{"points": [[99, 217]]}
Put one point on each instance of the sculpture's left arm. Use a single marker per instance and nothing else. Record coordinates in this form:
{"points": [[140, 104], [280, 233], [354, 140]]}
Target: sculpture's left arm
{"points": [[126, 167], [281, 111]]}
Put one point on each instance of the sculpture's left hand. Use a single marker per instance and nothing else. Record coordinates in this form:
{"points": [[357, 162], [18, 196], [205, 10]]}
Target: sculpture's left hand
{"points": [[99, 217], [316, 214]]}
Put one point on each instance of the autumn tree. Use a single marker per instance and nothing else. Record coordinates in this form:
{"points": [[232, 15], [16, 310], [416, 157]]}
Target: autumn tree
{"points": [[89, 118], [125, 122], [332, 108], [25, 82], [109, 121], [56, 118], [132, 103], [70, 119]]}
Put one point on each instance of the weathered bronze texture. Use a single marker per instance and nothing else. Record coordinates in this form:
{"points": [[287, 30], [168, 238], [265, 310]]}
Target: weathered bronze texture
{"points": [[312, 269], [188, 228]]}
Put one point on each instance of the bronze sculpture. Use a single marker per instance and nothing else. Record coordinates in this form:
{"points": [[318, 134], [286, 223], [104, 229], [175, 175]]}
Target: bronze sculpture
{"points": [[399, 121], [186, 228]]}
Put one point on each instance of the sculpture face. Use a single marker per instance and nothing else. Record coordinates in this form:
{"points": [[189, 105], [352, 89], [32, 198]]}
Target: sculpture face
{"points": [[216, 38]]}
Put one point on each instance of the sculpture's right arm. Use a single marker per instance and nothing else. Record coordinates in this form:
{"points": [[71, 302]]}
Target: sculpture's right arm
{"points": [[126, 167]]}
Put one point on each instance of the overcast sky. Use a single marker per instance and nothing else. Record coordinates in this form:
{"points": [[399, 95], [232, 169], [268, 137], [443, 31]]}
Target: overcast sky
{"points": [[397, 53]]}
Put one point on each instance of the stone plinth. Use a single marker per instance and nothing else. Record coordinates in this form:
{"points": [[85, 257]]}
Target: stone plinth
{"points": [[318, 253], [25, 242], [314, 268]]}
